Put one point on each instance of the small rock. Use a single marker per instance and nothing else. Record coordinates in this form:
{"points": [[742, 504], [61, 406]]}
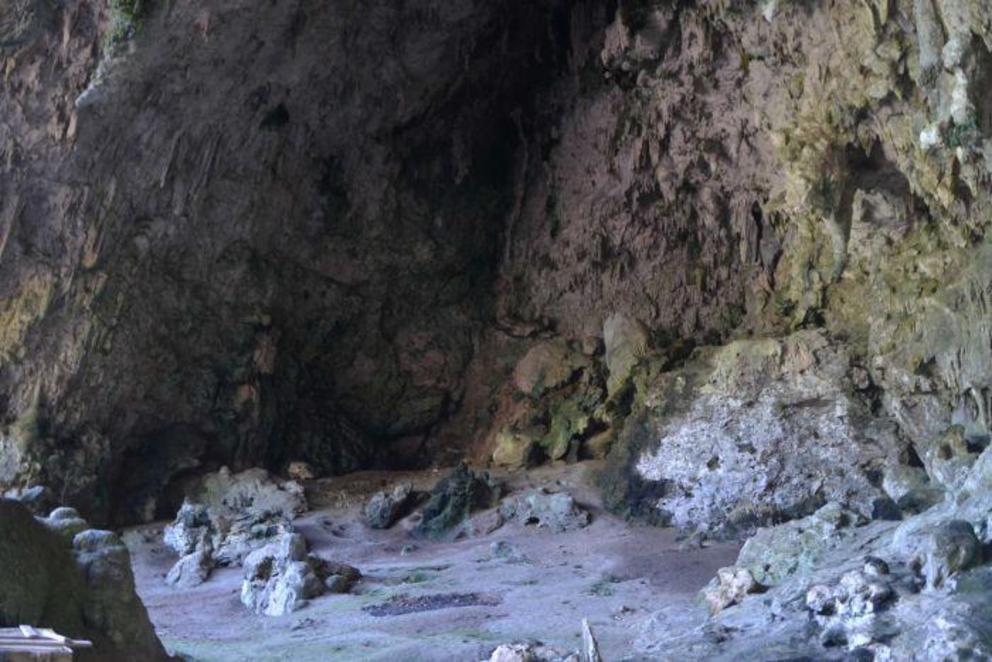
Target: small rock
{"points": [[299, 470], [728, 588], [531, 652]]}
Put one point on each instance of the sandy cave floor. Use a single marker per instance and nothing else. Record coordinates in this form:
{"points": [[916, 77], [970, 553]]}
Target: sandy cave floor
{"points": [[613, 573]]}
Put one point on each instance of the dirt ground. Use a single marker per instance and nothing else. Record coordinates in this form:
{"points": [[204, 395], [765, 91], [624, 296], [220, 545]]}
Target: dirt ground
{"points": [[441, 601]]}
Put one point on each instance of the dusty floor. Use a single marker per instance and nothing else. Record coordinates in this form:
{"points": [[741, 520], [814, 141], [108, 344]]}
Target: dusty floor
{"points": [[612, 573]]}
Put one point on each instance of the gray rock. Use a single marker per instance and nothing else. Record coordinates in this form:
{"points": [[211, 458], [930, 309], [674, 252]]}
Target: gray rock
{"points": [[385, 508], [531, 652], [66, 522], [281, 577], [942, 552], [36, 498], [454, 498], [557, 511], [191, 570], [190, 530]]}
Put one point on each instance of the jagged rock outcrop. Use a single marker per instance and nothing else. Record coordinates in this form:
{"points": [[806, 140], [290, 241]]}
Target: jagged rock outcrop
{"points": [[81, 586], [226, 516]]}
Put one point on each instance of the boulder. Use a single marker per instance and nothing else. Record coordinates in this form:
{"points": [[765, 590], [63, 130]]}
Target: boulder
{"points": [[454, 498], [83, 589], [557, 511], [777, 552], [191, 530], [191, 570], [281, 577], [385, 508]]}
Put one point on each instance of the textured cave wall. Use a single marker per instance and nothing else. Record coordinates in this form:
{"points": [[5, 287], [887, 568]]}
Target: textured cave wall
{"points": [[247, 233], [330, 231]]}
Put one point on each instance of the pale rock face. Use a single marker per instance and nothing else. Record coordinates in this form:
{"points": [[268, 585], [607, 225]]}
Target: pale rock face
{"points": [[547, 366], [770, 428]]}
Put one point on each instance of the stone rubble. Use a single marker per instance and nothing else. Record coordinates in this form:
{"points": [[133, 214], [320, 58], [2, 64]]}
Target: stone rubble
{"points": [[229, 515]]}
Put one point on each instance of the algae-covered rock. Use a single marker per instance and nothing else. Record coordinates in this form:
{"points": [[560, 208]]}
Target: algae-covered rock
{"points": [[454, 498], [514, 449]]}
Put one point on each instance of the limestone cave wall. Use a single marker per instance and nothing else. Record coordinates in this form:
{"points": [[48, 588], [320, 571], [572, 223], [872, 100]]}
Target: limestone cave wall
{"points": [[388, 234]]}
